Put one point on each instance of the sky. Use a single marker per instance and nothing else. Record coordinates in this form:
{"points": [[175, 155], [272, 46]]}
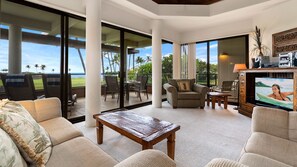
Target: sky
{"points": [[49, 55], [201, 51]]}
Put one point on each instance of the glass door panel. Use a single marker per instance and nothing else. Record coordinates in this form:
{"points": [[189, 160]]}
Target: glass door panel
{"points": [[76, 68], [167, 60], [138, 66], [201, 63], [30, 44], [110, 68], [213, 63]]}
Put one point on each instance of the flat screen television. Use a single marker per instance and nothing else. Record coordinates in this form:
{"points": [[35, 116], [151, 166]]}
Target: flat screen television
{"points": [[267, 92]]}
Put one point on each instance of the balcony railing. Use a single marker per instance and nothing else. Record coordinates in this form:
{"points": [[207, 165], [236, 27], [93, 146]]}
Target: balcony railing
{"points": [[202, 79]]}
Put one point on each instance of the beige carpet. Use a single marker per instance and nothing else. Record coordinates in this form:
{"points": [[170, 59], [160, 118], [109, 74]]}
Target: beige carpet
{"points": [[205, 134]]}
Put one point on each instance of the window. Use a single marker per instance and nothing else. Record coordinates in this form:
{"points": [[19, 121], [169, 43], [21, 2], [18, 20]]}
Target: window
{"points": [[215, 59], [167, 60], [184, 61]]}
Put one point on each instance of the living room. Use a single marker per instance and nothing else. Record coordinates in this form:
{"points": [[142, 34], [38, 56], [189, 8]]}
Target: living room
{"points": [[204, 42]]}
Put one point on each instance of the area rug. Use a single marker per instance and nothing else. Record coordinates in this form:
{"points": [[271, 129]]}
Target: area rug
{"points": [[205, 134]]}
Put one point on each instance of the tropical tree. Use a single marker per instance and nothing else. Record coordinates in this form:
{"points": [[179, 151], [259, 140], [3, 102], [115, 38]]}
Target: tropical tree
{"points": [[148, 58], [36, 66], [145, 69], [28, 67], [139, 60], [42, 67], [167, 68], [108, 57], [115, 61]]}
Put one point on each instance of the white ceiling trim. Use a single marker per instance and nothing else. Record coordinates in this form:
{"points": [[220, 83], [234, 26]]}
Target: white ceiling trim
{"points": [[154, 10]]}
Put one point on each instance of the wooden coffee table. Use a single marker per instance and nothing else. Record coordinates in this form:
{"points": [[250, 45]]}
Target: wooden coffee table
{"points": [[217, 96], [144, 130]]}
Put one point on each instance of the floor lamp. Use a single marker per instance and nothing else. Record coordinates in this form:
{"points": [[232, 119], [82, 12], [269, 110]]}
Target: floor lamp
{"points": [[237, 68]]}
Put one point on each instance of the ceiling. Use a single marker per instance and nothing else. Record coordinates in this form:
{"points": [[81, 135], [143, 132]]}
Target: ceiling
{"points": [[186, 2], [185, 18]]}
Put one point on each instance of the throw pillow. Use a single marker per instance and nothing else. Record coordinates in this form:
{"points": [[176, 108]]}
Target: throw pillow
{"points": [[31, 139], [184, 86], [9, 153]]}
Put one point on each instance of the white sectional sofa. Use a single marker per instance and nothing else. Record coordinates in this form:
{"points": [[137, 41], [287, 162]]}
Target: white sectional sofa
{"points": [[273, 142], [72, 149]]}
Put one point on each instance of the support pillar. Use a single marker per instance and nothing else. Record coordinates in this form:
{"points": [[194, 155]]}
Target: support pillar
{"points": [[192, 61], [15, 50], [93, 60], [156, 64], [176, 61]]}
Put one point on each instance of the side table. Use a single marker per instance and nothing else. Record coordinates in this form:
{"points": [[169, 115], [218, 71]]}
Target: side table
{"points": [[217, 96]]}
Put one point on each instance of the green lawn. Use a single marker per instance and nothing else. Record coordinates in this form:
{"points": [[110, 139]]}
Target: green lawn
{"points": [[76, 82]]}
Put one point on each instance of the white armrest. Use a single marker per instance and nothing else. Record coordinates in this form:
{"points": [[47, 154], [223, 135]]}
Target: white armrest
{"points": [[221, 162], [148, 158]]}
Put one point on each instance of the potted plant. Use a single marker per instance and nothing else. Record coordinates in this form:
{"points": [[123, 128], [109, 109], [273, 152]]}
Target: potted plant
{"points": [[259, 49]]}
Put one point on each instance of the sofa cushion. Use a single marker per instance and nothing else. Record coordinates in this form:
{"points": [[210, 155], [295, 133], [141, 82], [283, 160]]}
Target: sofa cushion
{"points": [[79, 152], [272, 147], [293, 126], [256, 160], [188, 96], [29, 105], [9, 153], [31, 139], [184, 86], [60, 130], [271, 121], [173, 82], [48, 108]]}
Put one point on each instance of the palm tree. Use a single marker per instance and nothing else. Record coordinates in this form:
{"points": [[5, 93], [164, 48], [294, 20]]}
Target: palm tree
{"points": [[36, 66], [116, 60], [42, 67], [139, 60], [106, 55], [148, 59], [28, 67]]}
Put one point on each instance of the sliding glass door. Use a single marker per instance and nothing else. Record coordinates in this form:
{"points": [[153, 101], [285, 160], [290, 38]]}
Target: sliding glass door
{"points": [[138, 68]]}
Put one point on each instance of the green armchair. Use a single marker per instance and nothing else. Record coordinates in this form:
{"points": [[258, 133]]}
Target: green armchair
{"points": [[194, 97]]}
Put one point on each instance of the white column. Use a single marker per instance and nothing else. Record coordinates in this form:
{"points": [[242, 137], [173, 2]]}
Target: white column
{"points": [[156, 64], [192, 61], [93, 61], [15, 50], [176, 61]]}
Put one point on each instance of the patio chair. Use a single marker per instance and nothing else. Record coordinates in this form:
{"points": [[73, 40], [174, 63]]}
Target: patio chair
{"points": [[52, 87], [112, 86], [19, 86], [141, 87], [227, 86]]}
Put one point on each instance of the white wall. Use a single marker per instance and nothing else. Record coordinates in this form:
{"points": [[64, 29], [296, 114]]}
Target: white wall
{"points": [[220, 31], [273, 20], [277, 19], [112, 14]]}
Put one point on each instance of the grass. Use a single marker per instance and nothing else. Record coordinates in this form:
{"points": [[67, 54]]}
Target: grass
{"points": [[76, 82]]}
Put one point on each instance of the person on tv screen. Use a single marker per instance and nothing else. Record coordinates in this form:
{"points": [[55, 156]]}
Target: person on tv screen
{"points": [[277, 94]]}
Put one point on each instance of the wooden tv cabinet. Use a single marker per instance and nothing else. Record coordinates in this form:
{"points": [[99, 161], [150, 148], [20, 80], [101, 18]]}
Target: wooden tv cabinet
{"points": [[247, 86]]}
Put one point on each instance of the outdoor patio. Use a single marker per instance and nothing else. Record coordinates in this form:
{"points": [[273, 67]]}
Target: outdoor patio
{"points": [[111, 103]]}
